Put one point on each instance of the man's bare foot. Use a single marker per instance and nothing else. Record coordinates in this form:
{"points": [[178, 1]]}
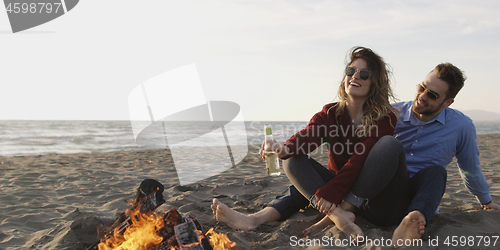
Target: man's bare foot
{"points": [[234, 219], [411, 228], [344, 220], [318, 226]]}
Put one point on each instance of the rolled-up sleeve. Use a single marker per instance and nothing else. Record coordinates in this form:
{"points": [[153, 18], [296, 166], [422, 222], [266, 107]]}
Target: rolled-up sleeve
{"points": [[470, 166]]}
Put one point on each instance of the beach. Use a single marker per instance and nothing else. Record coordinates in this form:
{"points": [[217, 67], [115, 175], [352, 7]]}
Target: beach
{"points": [[64, 201]]}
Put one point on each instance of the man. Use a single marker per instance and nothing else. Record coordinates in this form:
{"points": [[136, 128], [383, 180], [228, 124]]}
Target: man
{"points": [[432, 134]]}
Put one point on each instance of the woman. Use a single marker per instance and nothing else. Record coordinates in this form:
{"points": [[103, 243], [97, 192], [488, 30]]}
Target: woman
{"points": [[351, 127]]}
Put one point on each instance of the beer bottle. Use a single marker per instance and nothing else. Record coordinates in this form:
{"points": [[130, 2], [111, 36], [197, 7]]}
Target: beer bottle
{"points": [[272, 160]]}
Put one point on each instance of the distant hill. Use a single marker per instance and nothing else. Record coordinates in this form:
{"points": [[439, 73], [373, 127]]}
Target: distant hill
{"points": [[481, 115]]}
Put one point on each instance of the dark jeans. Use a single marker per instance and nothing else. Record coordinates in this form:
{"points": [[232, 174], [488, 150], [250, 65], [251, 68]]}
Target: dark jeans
{"points": [[380, 192], [426, 190]]}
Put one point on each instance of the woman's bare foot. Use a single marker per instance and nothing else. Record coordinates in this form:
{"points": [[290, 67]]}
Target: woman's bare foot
{"points": [[234, 219], [344, 220], [411, 228], [318, 226]]}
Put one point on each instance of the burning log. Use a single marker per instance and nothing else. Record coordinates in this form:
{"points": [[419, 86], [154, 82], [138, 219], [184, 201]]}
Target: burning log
{"points": [[184, 233], [142, 228], [149, 196], [188, 237]]}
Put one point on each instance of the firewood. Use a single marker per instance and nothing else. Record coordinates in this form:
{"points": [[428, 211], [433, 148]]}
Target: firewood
{"points": [[187, 236]]}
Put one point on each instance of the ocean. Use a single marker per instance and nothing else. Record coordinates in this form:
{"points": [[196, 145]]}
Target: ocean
{"points": [[38, 137]]}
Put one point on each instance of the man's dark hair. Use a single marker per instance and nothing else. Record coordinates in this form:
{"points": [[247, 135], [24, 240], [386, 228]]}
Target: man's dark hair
{"points": [[452, 75]]}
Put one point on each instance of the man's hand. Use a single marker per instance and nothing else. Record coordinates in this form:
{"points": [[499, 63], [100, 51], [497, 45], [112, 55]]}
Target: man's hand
{"points": [[490, 206], [324, 206]]}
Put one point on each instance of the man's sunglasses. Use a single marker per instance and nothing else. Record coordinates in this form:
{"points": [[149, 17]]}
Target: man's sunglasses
{"points": [[363, 74], [431, 94]]}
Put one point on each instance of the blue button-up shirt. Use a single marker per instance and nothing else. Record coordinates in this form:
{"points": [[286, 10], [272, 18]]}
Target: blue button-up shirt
{"points": [[435, 143]]}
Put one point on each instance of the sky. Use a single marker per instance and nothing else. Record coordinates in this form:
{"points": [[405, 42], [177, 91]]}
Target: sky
{"points": [[278, 60]]}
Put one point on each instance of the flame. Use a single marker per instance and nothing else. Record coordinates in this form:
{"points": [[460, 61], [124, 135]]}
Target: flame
{"points": [[141, 235], [219, 241]]}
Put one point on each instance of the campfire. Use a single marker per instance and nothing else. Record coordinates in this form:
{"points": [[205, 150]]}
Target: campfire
{"points": [[142, 228]]}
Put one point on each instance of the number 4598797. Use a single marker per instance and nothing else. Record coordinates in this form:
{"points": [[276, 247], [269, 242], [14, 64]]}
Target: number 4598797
{"points": [[471, 241], [33, 8]]}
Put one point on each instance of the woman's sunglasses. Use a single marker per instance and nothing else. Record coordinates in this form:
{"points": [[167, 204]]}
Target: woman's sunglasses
{"points": [[431, 94], [363, 74]]}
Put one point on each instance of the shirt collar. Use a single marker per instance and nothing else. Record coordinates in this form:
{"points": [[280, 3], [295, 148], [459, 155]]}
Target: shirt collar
{"points": [[441, 117], [408, 114]]}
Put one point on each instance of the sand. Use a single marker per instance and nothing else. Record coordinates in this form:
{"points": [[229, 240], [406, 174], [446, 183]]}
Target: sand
{"points": [[61, 201]]}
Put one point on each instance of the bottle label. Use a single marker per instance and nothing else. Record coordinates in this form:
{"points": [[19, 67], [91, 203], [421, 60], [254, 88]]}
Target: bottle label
{"points": [[268, 131]]}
